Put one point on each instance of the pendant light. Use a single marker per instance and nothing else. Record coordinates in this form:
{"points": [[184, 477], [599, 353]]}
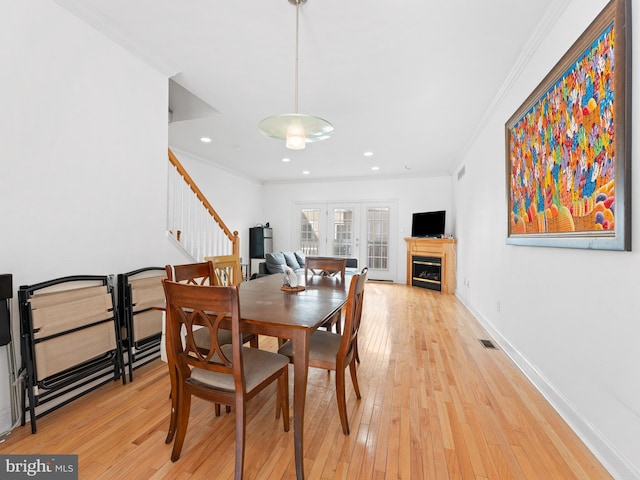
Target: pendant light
{"points": [[297, 129]]}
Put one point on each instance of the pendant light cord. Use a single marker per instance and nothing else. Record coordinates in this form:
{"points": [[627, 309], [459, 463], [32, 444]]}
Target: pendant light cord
{"points": [[295, 102], [296, 128]]}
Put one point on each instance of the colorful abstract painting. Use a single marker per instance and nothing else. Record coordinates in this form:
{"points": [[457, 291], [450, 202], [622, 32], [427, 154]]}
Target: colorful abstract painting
{"points": [[562, 153]]}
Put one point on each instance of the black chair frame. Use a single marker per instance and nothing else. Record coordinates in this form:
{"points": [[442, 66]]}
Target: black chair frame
{"points": [[144, 350], [84, 376]]}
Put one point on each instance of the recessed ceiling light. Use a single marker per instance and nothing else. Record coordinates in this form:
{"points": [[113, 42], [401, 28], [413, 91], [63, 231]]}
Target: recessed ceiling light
{"points": [[285, 159], [205, 139], [375, 168], [368, 154], [305, 172]]}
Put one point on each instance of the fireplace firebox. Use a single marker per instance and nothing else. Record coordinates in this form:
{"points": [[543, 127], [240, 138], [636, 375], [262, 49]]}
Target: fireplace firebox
{"points": [[427, 272]]}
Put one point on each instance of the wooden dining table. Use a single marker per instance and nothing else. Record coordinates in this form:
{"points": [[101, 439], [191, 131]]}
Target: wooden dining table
{"points": [[266, 309]]}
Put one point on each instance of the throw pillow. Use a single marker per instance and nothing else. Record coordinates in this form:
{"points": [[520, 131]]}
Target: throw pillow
{"points": [[301, 257], [291, 260], [274, 262]]}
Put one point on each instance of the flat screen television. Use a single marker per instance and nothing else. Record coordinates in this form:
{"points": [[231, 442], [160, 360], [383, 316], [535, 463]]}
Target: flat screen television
{"points": [[428, 224]]}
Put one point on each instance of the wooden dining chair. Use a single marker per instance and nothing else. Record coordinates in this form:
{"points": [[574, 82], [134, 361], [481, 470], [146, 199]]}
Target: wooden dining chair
{"points": [[327, 267], [203, 273], [331, 351], [230, 374], [198, 274], [227, 269]]}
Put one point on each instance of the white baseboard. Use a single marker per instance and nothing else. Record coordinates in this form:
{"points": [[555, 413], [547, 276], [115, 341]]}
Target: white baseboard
{"points": [[5, 421], [619, 467]]}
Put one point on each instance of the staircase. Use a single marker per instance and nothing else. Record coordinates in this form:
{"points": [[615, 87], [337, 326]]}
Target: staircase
{"points": [[192, 222]]}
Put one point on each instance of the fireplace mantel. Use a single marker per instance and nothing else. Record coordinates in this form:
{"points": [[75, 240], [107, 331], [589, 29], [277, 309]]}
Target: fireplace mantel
{"points": [[443, 248]]}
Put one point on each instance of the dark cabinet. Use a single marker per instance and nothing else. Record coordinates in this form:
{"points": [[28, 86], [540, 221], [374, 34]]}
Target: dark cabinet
{"points": [[260, 241]]}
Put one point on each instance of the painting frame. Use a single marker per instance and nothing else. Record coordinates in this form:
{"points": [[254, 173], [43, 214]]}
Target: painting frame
{"points": [[568, 146]]}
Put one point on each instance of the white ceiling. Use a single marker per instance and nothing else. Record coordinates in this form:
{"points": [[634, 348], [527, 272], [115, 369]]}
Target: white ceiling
{"points": [[409, 80]]}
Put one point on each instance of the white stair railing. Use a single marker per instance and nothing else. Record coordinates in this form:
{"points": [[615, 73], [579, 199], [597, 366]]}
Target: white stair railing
{"points": [[191, 220]]}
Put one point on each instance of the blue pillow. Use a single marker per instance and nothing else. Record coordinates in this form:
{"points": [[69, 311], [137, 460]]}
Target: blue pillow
{"points": [[274, 262], [301, 257], [290, 258]]}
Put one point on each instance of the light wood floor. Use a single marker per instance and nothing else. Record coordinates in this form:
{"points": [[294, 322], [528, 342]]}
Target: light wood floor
{"points": [[435, 405]]}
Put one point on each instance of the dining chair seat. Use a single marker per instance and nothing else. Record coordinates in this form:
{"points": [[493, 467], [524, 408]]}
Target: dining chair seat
{"points": [[257, 364], [323, 347]]}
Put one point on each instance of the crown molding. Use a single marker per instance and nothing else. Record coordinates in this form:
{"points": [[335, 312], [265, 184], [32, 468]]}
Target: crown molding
{"points": [[549, 20]]}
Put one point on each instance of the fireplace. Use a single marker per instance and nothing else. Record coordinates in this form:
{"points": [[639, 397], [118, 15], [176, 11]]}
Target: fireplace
{"points": [[439, 251], [426, 272]]}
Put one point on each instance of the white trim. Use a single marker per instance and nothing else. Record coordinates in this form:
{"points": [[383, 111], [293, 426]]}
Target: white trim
{"points": [[549, 20], [5, 422]]}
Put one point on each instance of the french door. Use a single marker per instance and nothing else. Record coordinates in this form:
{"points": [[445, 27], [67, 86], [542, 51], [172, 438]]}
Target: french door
{"points": [[351, 230]]}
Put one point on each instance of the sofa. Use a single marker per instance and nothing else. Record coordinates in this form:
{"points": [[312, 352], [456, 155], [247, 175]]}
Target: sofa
{"points": [[275, 261]]}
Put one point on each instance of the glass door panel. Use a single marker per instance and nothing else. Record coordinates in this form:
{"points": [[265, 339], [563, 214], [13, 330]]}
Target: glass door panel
{"points": [[343, 225], [310, 230], [378, 238]]}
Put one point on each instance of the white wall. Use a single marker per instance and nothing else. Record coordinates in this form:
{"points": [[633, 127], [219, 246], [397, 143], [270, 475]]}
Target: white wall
{"points": [[84, 155], [568, 317], [416, 194]]}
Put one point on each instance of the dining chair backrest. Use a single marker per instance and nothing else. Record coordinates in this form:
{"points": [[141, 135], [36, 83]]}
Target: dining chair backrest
{"points": [[190, 307], [227, 270], [353, 315], [325, 266], [201, 273]]}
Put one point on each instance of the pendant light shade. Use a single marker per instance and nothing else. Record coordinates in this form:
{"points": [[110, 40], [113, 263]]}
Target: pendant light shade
{"points": [[297, 129]]}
